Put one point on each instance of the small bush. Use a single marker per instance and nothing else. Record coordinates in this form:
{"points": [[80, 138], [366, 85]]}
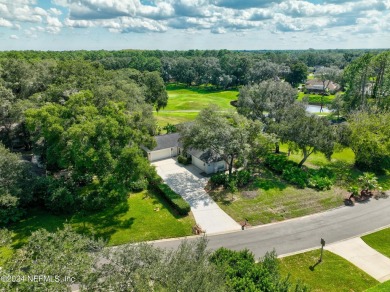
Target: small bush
{"points": [[296, 176], [184, 160], [174, 199], [243, 177], [219, 179], [320, 183], [276, 163], [139, 185]]}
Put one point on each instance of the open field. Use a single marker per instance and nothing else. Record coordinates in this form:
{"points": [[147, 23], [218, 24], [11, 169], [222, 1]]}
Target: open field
{"points": [[145, 216], [333, 274], [184, 103], [379, 241]]}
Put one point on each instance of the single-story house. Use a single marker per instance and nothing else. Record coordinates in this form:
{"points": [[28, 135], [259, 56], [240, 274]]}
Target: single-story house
{"points": [[315, 86], [169, 146]]}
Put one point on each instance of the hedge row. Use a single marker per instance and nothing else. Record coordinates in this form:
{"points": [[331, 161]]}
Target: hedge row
{"points": [[174, 199]]}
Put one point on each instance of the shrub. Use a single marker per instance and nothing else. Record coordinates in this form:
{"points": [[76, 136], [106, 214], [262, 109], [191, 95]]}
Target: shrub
{"points": [[296, 176], [232, 185], [219, 179], [321, 179], [243, 177], [184, 160], [320, 183], [139, 185], [276, 162], [174, 199]]}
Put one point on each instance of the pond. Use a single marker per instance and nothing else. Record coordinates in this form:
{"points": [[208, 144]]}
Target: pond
{"points": [[316, 109]]}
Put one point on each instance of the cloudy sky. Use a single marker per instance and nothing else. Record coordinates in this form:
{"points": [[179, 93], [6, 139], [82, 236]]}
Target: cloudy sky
{"points": [[193, 24]]}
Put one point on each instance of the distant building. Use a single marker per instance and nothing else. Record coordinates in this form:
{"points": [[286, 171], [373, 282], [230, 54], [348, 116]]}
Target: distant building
{"points": [[317, 86]]}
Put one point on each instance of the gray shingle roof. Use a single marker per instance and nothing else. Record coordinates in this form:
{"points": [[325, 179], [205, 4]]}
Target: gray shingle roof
{"points": [[206, 156], [167, 141]]}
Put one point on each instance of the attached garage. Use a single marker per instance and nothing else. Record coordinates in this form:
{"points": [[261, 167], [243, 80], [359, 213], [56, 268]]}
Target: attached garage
{"points": [[167, 147]]}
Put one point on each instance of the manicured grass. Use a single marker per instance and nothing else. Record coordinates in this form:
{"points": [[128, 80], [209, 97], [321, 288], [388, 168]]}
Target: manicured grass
{"points": [[333, 274], [188, 99], [269, 199], [316, 98], [383, 287], [184, 103], [175, 117], [379, 241], [145, 216]]}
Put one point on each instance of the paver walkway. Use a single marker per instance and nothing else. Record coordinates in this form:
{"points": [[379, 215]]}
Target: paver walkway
{"points": [[364, 257], [187, 181]]}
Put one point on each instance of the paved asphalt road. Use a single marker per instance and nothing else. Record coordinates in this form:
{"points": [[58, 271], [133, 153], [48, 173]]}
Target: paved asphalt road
{"points": [[302, 233]]}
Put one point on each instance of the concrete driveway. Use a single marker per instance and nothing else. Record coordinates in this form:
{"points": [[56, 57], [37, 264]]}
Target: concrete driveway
{"points": [[187, 181]]}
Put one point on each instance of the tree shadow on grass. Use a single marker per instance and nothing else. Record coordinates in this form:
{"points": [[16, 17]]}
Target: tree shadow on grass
{"points": [[35, 219], [268, 183], [105, 223]]}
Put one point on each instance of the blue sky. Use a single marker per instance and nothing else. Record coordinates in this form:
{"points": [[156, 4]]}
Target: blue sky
{"points": [[193, 24]]}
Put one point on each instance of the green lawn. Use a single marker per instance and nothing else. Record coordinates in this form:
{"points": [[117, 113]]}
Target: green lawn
{"points": [[184, 103], [383, 287], [269, 199], [174, 117], [316, 98], [145, 216], [379, 241], [333, 274]]}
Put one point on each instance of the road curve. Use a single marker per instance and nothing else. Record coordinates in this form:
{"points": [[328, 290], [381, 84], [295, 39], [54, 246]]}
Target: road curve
{"points": [[302, 233]]}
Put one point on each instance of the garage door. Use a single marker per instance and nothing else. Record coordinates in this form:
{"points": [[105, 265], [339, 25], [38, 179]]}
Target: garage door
{"points": [[160, 154]]}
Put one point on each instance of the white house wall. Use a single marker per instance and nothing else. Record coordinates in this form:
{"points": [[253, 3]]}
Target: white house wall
{"points": [[198, 163]]}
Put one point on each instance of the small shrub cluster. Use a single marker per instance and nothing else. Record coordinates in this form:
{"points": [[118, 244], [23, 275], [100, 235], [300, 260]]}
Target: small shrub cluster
{"points": [[184, 160], [238, 179], [319, 179], [174, 199]]}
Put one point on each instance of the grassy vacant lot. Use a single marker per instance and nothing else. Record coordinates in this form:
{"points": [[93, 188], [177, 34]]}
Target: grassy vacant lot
{"points": [[145, 216], [333, 274], [380, 241], [269, 199], [184, 103]]}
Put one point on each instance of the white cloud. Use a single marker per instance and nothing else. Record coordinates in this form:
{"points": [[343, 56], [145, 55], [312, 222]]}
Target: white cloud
{"points": [[5, 23], [216, 17], [13, 37]]}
